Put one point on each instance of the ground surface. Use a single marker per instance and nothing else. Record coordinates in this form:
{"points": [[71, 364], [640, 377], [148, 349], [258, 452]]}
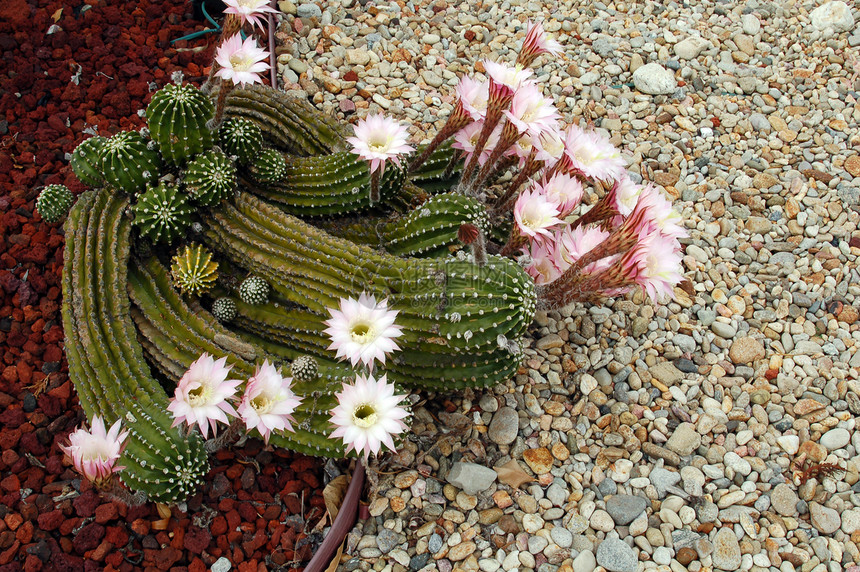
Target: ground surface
{"points": [[91, 73]]}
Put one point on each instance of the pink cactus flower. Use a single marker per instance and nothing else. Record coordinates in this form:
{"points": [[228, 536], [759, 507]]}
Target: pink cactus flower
{"points": [[593, 155], [536, 43], [269, 402], [202, 395], [655, 265], [94, 453], [367, 415], [565, 190], [379, 139], [531, 112], [535, 214], [543, 261], [249, 10], [474, 96], [363, 330], [241, 62]]}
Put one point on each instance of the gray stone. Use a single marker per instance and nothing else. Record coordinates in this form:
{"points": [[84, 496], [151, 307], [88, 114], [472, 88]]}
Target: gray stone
{"points": [[625, 508], [386, 540], [432, 78], [584, 562], [760, 123], [662, 479], [654, 79], [557, 494], [666, 373], [751, 24], [835, 439], [823, 518], [690, 48], [309, 10], [504, 426], [835, 15], [616, 556], [561, 536], [684, 440], [221, 565], [727, 550], [784, 500], [471, 477]]}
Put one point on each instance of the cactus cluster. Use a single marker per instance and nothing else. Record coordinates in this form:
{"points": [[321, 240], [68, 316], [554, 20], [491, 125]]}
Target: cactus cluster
{"points": [[259, 204], [54, 202]]}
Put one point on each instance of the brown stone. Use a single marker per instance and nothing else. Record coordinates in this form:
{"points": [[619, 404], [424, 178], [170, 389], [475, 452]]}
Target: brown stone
{"points": [[560, 451], [814, 452], [686, 555], [852, 165], [539, 460], [849, 314], [818, 175], [746, 350], [805, 406], [764, 181]]}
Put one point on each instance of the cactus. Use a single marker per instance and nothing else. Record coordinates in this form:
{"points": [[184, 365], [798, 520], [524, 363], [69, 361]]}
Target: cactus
{"points": [[193, 270], [162, 213], [106, 362], [54, 202], [127, 162], [269, 166], [241, 138], [210, 178], [177, 119], [85, 161], [304, 368], [254, 290], [224, 309]]}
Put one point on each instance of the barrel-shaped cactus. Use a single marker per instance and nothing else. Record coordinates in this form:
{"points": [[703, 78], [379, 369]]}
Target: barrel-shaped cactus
{"points": [[162, 213], [193, 270], [210, 178], [86, 163], [54, 202], [224, 309], [241, 138], [128, 163], [269, 166], [254, 290], [177, 117]]}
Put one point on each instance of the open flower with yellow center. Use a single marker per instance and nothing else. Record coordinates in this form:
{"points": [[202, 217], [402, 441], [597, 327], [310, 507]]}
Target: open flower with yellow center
{"points": [[367, 415], [379, 139], [536, 214], [269, 402], [94, 453], [363, 330], [202, 393], [241, 62]]}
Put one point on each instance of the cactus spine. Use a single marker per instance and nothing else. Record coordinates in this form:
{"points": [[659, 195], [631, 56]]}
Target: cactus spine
{"points": [[193, 270], [162, 213], [241, 138], [85, 161], [210, 178]]}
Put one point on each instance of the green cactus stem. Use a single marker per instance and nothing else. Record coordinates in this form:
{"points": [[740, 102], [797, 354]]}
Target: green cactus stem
{"points": [[54, 202], [268, 167], [85, 161], [162, 213], [210, 178], [106, 361], [177, 118], [128, 163], [241, 138], [193, 270]]}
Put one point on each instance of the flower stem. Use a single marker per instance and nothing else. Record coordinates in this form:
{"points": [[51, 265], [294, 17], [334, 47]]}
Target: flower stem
{"points": [[343, 522], [456, 121], [374, 186]]}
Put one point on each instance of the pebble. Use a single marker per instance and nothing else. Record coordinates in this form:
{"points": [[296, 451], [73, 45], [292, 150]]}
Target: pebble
{"points": [[824, 519], [784, 500], [654, 79], [616, 556], [625, 508], [727, 550], [834, 15], [835, 439], [471, 477], [684, 440], [584, 562], [504, 426]]}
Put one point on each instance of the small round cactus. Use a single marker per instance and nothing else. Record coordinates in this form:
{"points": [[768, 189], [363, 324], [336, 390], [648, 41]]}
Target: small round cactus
{"points": [[269, 166], [254, 290], [305, 368], [128, 163], [210, 178], [54, 202], [162, 213], [242, 138], [177, 118], [193, 270], [85, 161], [224, 309]]}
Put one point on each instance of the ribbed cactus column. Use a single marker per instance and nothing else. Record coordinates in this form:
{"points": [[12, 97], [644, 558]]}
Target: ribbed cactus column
{"points": [[128, 163], [177, 117], [106, 361]]}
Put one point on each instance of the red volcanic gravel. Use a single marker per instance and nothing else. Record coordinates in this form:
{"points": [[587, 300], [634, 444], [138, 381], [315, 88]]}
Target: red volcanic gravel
{"points": [[258, 506]]}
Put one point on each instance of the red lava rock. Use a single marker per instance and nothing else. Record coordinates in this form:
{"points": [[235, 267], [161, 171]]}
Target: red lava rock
{"points": [[88, 538], [196, 539], [106, 513]]}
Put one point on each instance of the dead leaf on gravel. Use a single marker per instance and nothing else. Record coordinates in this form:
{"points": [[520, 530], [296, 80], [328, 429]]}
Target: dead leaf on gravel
{"points": [[512, 474], [333, 494]]}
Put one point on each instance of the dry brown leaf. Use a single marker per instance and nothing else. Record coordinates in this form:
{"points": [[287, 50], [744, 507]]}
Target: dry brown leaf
{"points": [[163, 510], [333, 494], [512, 474], [57, 15], [335, 562]]}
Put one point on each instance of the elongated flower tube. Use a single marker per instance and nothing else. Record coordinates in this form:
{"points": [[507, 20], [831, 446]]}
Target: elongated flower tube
{"points": [[249, 10], [466, 140], [379, 139], [536, 43], [546, 150], [363, 330], [268, 402], [202, 395], [367, 415], [471, 105], [504, 80], [94, 453]]}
